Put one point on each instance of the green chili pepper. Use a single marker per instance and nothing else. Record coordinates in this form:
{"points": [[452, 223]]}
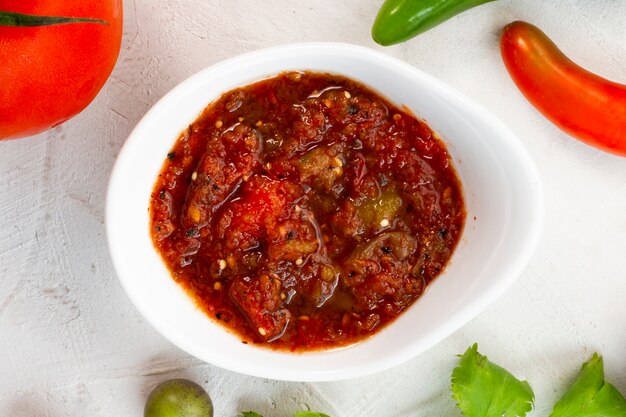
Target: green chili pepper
{"points": [[400, 20]]}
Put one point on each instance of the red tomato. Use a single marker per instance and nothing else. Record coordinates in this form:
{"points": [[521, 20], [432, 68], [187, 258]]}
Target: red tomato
{"points": [[582, 104], [50, 73]]}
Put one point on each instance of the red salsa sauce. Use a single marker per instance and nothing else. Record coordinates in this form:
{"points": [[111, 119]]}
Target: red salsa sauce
{"points": [[306, 211]]}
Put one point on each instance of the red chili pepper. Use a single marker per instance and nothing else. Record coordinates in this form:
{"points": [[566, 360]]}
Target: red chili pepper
{"points": [[582, 104]]}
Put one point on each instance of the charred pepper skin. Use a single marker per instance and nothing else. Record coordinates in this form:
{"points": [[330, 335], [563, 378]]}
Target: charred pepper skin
{"points": [[400, 20], [582, 104]]}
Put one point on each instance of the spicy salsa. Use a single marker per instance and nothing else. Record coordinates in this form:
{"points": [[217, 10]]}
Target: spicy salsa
{"points": [[305, 211]]}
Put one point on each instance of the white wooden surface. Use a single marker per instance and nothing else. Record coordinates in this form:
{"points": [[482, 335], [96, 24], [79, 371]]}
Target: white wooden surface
{"points": [[71, 344]]}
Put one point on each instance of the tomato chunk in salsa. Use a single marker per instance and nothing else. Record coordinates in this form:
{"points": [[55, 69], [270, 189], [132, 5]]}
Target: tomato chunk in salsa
{"points": [[306, 211]]}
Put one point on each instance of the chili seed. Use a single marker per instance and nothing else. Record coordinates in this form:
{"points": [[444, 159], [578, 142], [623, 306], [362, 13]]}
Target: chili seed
{"points": [[347, 94], [217, 286], [384, 223], [299, 261], [194, 213], [194, 176], [219, 124], [222, 264], [262, 331]]}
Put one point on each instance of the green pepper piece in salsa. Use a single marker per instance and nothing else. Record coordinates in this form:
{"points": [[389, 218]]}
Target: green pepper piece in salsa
{"points": [[380, 212]]}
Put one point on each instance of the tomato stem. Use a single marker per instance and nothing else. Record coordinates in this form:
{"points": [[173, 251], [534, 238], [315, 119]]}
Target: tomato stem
{"points": [[30, 20]]}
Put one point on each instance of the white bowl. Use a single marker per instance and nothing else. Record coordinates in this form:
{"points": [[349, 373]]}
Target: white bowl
{"points": [[501, 185]]}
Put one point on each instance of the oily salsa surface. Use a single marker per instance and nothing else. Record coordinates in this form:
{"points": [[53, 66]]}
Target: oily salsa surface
{"points": [[306, 211]]}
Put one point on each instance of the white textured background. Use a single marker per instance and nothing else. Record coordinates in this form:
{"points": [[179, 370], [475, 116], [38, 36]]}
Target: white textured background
{"points": [[71, 344]]}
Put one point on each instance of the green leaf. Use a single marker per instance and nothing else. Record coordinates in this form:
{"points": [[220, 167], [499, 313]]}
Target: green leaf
{"points": [[309, 414], [30, 20], [590, 395], [483, 389], [299, 414]]}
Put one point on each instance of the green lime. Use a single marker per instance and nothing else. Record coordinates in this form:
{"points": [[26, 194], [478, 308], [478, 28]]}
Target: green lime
{"points": [[178, 398]]}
